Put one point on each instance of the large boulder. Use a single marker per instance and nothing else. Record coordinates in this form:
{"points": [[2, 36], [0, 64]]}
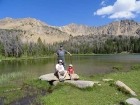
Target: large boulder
{"points": [[52, 77], [133, 101], [122, 85], [78, 83]]}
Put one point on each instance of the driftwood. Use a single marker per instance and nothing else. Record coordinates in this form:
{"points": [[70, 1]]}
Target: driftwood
{"points": [[121, 84]]}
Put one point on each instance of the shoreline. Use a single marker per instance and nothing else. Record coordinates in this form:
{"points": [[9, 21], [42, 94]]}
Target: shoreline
{"points": [[2, 58]]}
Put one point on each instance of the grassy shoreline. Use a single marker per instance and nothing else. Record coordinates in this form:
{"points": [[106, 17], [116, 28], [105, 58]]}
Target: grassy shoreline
{"points": [[24, 58], [96, 95], [2, 58]]}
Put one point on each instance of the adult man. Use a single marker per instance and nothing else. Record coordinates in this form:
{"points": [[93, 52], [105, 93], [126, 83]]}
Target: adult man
{"points": [[60, 71], [61, 55]]}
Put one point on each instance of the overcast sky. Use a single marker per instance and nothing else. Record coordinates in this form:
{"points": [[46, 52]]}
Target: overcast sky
{"points": [[64, 12]]}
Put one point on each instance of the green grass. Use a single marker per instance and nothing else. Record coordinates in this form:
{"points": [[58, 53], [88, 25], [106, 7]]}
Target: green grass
{"points": [[15, 77], [135, 67], [66, 93], [2, 58], [13, 81], [36, 83], [10, 96], [118, 67], [98, 95]]}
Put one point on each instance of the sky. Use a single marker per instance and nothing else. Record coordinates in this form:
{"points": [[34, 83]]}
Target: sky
{"points": [[64, 12]]}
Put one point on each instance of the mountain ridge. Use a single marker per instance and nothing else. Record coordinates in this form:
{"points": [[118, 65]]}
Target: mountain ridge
{"points": [[33, 29]]}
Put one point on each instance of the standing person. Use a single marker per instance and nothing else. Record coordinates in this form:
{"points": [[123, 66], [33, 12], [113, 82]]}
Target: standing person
{"points": [[61, 55]]}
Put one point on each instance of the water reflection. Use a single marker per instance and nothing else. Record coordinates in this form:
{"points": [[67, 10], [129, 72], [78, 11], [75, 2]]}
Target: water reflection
{"points": [[86, 65]]}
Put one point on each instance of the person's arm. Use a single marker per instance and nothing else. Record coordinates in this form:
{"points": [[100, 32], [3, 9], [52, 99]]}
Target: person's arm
{"points": [[68, 71], [73, 70], [55, 53], [56, 67], [69, 53]]}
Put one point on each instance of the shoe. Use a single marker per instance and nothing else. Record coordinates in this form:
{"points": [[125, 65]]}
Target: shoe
{"points": [[61, 79]]}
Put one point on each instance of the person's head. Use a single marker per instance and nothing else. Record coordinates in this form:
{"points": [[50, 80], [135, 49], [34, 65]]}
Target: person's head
{"points": [[60, 62], [61, 47], [70, 65]]}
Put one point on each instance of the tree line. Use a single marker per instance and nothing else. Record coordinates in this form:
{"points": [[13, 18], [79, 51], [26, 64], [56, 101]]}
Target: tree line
{"points": [[12, 46]]}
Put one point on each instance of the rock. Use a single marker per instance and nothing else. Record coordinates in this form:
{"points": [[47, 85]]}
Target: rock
{"points": [[81, 83], [55, 83], [78, 83], [133, 101], [121, 84], [52, 77], [106, 80]]}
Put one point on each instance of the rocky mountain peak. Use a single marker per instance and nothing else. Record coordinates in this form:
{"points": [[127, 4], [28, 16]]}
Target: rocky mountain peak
{"points": [[33, 29]]}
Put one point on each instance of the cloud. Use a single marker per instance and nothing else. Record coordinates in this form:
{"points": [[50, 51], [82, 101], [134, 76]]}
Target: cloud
{"points": [[121, 9], [103, 3], [103, 16]]}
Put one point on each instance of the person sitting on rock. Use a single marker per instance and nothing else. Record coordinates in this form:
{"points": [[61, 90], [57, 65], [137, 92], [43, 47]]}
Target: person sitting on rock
{"points": [[70, 71], [60, 71]]}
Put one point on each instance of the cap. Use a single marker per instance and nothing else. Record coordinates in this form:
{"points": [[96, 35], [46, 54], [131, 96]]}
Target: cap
{"points": [[70, 65], [60, 61], [61, 45]]}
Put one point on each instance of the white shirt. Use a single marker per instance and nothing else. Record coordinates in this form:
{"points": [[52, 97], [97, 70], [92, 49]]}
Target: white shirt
{"points": [[59, 67]]}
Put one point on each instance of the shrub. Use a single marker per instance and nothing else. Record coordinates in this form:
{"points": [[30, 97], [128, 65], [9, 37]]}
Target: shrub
{"points": [[135, 67], [118, 67]]}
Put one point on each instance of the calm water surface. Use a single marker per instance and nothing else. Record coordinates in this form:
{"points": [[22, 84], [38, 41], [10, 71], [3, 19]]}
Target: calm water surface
{"points": [[86, 65]]}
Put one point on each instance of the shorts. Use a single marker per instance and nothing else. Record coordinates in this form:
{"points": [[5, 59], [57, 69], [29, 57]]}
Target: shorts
{"points": [[61, 73]]}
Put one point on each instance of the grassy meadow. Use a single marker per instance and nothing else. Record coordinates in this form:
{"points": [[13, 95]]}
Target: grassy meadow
{"points": [[18, 85]]}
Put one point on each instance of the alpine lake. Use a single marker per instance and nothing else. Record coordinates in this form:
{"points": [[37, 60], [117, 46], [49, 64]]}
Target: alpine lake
{"points": [[83, 64]]}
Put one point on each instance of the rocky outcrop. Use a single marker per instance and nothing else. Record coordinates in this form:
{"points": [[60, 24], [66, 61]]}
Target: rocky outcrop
{"points": [[75, 81], [78, 83], [52, 77], [123, 27]]}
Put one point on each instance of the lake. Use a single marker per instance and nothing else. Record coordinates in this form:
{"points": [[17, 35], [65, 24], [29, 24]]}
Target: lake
{"points": [[86, 65]]}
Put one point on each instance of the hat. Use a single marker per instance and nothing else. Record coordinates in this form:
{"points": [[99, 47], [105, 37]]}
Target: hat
{"points": [[60, 61], [61, 45], [70, 65]]}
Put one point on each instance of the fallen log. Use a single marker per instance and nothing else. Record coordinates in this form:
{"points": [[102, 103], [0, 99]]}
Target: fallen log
{"points": [[122, 85]]}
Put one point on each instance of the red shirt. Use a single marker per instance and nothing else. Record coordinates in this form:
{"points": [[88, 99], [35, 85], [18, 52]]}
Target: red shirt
{"points": [[71, 70]]}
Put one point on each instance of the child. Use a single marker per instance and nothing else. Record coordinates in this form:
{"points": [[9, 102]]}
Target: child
{"points": [[70, 70]]}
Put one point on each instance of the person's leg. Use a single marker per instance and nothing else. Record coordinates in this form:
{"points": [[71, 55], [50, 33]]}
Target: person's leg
{"points": [[64, 63], [58, 75], [65, 73]]}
